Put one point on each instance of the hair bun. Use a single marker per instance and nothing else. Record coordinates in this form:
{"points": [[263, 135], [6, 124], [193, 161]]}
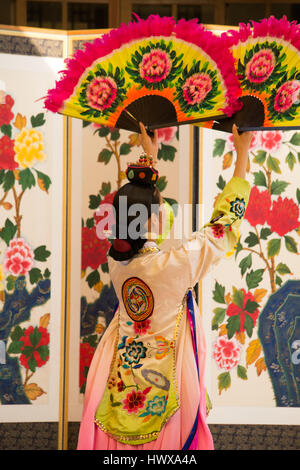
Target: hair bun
{"points": [[142, 172]]}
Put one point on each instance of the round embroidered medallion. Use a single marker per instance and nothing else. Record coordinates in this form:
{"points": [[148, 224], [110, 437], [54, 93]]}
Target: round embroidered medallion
{"points": [[138, 299]]}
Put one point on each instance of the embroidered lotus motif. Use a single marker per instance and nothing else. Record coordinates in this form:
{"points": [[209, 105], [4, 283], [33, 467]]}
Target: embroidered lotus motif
{"points": [[102, 91], [135, 351], [197, 88], [262, 66]]}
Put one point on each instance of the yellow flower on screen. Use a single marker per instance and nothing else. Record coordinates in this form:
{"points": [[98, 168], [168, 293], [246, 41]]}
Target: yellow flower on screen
{"points": [[29, 148]]}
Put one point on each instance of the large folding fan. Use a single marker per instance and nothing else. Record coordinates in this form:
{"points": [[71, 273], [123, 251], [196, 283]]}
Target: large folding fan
{"points": [[165, 73], [267, 63], [156, 71]]}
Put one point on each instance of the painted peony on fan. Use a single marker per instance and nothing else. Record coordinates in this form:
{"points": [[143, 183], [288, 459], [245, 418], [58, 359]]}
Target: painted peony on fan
{"points": [[267, 62], [156, 71]]}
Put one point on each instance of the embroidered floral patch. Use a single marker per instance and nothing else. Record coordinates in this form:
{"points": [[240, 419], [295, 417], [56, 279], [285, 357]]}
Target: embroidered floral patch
{"points": [[218, 230], [134, 401], [141, 327], [163, 347], [135, 351], [238, 207], [138, 299], [157, 406]]}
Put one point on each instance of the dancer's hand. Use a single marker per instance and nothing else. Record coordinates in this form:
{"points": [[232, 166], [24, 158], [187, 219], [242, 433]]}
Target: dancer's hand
{"points": [[241, 143], [150, 145]]}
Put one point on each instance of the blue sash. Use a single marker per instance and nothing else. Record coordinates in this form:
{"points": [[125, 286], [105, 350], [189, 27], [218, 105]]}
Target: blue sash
{"points": [[191, 318]]}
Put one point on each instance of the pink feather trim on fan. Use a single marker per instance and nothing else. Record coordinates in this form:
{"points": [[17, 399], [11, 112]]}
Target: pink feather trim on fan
{"points": [[100, 47], [283, 29], [189, 31]]}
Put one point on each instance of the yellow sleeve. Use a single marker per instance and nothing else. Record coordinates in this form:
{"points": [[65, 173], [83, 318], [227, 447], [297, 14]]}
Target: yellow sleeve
{"points": [[218, 237], [229, 211]]}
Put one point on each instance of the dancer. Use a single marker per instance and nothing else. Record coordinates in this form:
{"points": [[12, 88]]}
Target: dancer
{"points": [[145, 388]]}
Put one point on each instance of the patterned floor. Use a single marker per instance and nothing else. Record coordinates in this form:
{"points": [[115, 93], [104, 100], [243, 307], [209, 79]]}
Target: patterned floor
{"points": [[43, 436]]}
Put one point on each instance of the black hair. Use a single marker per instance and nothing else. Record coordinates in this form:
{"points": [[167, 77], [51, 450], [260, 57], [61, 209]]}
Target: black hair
{"points": [[135, 193]]}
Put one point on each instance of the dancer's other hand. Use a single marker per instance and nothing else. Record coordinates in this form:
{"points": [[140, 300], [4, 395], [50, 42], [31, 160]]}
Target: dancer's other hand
{"points": [[149, 144], [241, 143]]}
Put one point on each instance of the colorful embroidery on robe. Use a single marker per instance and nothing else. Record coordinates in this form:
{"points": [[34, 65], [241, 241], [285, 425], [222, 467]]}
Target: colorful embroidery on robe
{"points": [[238, 207], [141, 393]]}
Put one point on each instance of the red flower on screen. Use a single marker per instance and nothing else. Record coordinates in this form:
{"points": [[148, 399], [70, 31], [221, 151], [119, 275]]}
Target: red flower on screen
{"points": [[35, 351], [258, 207], [86, 356], [284, 216], [7, 154], [5, 111], [93, 250]]}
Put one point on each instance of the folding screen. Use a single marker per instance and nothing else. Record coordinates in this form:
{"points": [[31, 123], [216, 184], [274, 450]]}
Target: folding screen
{"points": [[55, 296], [251, 305], [32, 193]]}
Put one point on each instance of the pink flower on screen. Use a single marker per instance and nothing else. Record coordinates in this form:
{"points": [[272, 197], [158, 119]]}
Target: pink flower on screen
{"points": [[226, 352], [271, 140], [18, 258], [166, 134]]}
